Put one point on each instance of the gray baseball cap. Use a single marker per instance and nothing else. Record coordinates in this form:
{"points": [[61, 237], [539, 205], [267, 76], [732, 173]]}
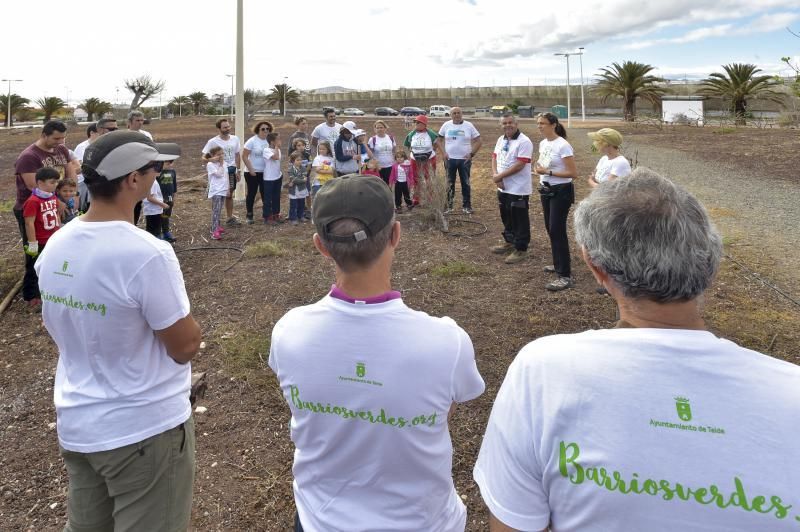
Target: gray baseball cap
{"points": [[365, 198], [119, 153]]}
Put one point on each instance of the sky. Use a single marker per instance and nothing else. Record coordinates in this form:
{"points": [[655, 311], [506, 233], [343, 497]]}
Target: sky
{"points": [[92, 46]]}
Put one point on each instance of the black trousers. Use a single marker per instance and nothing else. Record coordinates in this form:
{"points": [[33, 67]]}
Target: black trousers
{"points": [[165, 216], [401, 192], [152, 224], [30, 282], [137, 213], [255, 185], [385, 174], [516, 223], [556, 207]]}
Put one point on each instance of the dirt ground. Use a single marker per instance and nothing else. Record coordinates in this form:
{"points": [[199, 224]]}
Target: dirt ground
{"points": [[244, 454]]}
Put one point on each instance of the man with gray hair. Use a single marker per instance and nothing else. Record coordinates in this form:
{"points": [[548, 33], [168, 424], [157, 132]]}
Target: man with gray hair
{"points": [[370, 383], [135, 123], [656, 424]]}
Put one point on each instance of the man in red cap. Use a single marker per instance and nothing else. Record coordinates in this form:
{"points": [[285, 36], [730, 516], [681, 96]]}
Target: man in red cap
{"points": [[423, 143]]}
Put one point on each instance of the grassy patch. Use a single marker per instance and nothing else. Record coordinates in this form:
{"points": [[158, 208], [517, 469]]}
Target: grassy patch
{"points": [[457, 268], [724, 131], [264, 249], [6, 205], [242, 355]]}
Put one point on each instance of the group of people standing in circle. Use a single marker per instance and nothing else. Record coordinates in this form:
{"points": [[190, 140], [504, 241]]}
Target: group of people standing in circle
{"points": [[333, 150]]}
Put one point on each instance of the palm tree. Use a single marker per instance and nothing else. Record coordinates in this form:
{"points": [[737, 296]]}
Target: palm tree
{"points": [[50, 105], [630, 80], [17, 103], [198, 100], [177, 103], [276, 95], [738, 84], [95, 107]]}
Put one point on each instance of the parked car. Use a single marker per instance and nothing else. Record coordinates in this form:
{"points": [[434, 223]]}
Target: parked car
{"points": [[336, 110], [439, 110], [386, 111], [411, 111], [353, 111], [276, 112]]}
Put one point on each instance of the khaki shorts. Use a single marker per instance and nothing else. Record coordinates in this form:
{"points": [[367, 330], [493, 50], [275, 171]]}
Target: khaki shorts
{"points": [[142, 486]]}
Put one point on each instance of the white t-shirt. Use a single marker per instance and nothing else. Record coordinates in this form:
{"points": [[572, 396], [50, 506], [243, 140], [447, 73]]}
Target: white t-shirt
{"points": [[551, 156], [318, 162], [369, 393], [106, 286], [458, 138], [582, 418], [145, 133], [421, 142], [618, 166], [324, 132], [218, 181], [506, 153], [272, 167], [402, 176], [256, 146], [79, 150], [150, 209], [229, 147], [383, 149]]}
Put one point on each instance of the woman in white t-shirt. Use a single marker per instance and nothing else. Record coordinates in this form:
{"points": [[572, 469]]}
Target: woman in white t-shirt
{"points": [[612, 164], [556, 169], [382, 145], [253, 158]]}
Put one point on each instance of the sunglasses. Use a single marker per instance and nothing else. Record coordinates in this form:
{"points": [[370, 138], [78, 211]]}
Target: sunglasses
{"points": [[264, 129], [505, 146], [155, 165]]}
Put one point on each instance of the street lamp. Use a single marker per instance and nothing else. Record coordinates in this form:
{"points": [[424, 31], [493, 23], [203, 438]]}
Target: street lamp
{"points": [[231, 100], [8, 114], [569, 104], [285, 88], [583, 107]]}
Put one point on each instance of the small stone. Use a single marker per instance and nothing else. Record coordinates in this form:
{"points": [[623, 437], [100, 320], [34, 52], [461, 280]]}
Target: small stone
{"points": [[53, 506], [200, 410], [214, 464], [51, 426], [202, 345], [206, 514], [463, 497], [8, 494]]}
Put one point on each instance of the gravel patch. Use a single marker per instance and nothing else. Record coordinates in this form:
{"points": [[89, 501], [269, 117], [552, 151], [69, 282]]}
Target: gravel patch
{"points": [[758, 221]]}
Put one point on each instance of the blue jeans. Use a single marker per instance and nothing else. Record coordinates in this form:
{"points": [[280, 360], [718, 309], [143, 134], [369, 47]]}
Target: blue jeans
{"points": [[463, 167], [271, 198], [297, 208]]}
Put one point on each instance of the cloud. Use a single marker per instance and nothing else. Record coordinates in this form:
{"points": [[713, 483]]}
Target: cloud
{"points": [[772, 22], [698, 34], [573, 23]]}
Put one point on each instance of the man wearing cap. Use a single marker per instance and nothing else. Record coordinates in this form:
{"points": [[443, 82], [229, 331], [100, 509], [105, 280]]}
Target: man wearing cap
{"points": [[347, 152], [115, 304], [326, 131], [231, 152], [612, 164], [423, 144], [372, 385], [461, 142]]}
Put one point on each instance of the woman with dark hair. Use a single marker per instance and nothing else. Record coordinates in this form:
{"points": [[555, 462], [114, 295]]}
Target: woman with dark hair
{"points": [[253, 157], [556, 169]]}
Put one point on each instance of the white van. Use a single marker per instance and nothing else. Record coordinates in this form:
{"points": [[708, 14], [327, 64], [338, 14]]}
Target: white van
{"points": [[439, 110]]}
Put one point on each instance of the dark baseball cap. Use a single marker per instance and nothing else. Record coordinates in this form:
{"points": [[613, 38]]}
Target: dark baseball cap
{"points": [[119, 153], [365, 198]]}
